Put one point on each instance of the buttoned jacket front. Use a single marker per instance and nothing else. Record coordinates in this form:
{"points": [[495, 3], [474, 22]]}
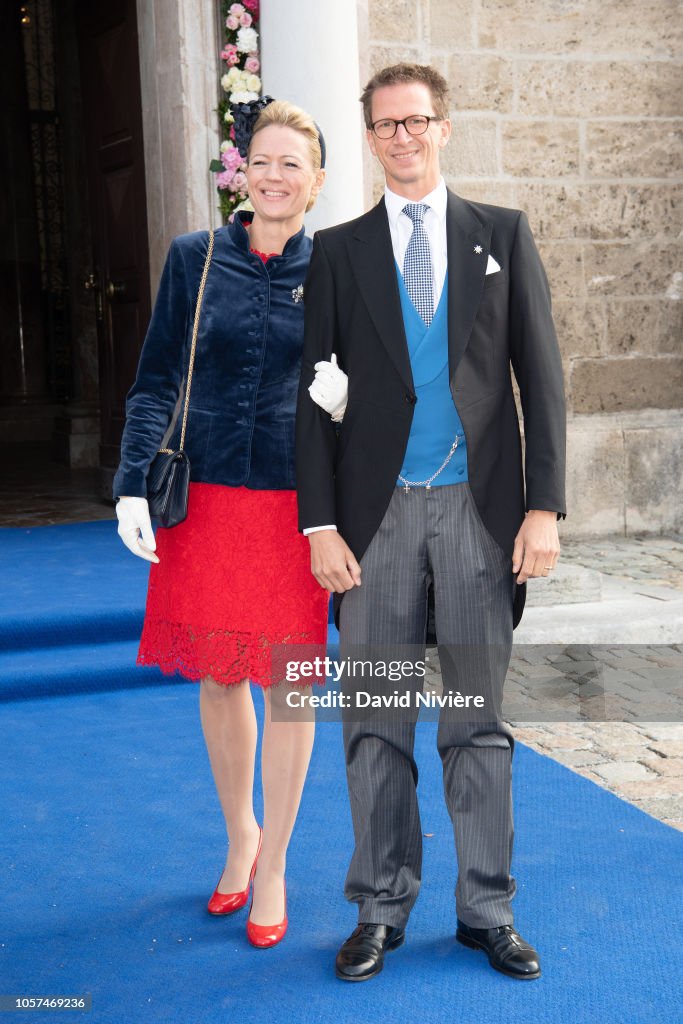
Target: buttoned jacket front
{"points": [[240, 428]]}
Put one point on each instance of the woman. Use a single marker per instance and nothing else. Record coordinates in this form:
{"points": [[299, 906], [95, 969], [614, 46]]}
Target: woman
{"points": [[234, 579]]}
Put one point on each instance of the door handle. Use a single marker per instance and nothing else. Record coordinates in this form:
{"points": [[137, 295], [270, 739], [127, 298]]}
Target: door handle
{"points": [[115, 288]]}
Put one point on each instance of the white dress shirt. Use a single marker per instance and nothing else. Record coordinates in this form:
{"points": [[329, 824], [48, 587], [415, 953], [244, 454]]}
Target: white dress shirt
{"points": [[401, 228]]}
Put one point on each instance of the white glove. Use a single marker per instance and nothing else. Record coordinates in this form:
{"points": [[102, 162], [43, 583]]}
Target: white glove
{"points": [[330, 388], [134, 523]]}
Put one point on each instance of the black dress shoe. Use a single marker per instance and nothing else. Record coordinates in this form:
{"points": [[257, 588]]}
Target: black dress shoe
{"points": [[362, 955], [506, 949]]}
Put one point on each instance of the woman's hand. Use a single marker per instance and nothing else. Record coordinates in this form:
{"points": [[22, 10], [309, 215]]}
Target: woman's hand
{"points": [[135, 527], [330, 388]]}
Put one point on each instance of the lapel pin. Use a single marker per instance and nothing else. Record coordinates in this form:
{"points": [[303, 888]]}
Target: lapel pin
{"points": [[298, 293], [478, 249]]}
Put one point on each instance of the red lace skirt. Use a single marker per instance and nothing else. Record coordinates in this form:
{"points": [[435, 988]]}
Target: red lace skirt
{"points": [[233, 585]]}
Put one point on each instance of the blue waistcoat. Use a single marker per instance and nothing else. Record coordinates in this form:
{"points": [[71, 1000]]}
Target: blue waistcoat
{"points": [[435, 419], [240, 428]]}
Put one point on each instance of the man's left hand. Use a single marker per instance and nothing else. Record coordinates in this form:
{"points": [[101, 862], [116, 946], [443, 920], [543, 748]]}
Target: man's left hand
{"points": [[537, 545]]}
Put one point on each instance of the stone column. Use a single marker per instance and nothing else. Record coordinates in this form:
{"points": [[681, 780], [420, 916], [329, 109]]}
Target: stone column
{"points": [[179, 72], [309, 55]]}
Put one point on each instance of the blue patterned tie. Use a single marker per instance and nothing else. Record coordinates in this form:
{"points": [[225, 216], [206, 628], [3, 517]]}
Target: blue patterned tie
{"points": [[417, 264]]}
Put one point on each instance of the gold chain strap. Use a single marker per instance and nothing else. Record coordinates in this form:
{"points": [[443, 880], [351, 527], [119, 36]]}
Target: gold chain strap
{"points": [[195, 331]]}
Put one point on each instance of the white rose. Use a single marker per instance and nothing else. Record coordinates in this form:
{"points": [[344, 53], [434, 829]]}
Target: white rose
{"points": [[253, 83], [243, 97], [226, 143], [247, 40]]}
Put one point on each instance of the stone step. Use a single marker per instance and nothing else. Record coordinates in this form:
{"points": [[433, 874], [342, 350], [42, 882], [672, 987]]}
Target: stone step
{"points": [[566, 584]]}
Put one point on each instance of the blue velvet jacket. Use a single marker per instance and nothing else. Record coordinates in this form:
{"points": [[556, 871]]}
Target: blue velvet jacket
{"points": [[240, 427]]}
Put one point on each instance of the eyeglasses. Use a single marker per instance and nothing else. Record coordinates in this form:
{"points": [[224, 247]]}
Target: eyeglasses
{"points": [[416, 124]]}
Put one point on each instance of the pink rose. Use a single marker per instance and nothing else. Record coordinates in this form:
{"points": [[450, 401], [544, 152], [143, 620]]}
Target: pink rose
{"points": [[232, 22], [223, 179], [230, 55], [236, 9], [252, 65], [252, 5], [231, 160], [246, 19], [239, 182]]}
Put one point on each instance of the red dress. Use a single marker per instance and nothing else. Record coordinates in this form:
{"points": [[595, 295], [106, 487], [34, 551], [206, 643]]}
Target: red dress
{"points": [[233, 596]]}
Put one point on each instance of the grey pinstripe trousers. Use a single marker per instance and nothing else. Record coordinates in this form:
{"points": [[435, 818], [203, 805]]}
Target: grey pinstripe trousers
{"points": [[431, 537]]}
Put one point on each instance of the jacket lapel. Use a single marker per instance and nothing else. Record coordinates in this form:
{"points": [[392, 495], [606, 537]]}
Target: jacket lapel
{"points": [[372, 259], [466, 273]]}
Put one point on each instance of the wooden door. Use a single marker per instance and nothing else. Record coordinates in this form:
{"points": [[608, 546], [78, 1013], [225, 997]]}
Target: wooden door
{"points": [[110, 77]]}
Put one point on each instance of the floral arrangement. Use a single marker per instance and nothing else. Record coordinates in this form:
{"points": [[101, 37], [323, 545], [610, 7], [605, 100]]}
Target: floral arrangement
{"points": [[241, 84]]}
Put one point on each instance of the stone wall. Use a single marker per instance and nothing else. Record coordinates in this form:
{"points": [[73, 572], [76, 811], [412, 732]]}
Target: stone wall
{"points": [[572, 111]]}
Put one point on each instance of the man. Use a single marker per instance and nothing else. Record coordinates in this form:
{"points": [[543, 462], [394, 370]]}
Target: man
{"points": [[426, 301]]}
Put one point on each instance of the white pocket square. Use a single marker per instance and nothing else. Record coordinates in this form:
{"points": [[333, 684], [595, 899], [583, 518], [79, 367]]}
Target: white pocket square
{"points": [[492, 266]]}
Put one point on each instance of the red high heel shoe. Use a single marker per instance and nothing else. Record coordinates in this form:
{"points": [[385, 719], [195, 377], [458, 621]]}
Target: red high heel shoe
{"points": [[229, 902], [265, 935]]}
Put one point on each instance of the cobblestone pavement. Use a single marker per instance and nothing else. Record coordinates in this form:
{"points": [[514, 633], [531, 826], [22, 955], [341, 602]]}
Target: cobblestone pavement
{"points": [[657, 561], [642, 762]]}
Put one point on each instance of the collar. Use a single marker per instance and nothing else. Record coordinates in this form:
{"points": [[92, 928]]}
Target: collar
{"points": [[240, 235], [437, 200]]}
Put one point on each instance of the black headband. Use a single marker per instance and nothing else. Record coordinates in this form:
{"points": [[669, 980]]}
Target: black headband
{"points": [[245, 117]]}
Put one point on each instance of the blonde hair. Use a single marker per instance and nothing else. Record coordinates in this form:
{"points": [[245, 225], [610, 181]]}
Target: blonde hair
{"points": [[286, 114]]}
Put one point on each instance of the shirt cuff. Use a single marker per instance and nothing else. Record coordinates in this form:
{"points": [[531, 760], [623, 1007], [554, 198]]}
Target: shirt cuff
{"points": [[316, 529]]}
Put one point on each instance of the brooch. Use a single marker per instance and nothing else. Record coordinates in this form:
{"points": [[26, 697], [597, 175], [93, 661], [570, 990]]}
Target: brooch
{"points": [[298, 293], [478, 249]]}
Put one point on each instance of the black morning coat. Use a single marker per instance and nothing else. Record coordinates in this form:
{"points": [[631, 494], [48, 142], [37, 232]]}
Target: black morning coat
{"points": [[495, 321]]}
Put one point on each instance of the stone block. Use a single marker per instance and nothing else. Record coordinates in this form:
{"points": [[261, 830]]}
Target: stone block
{"points": [[564, 265], [567, 584], [668, 749], [540, 149], [663, 732], [644, 326], [579, 759], [394, 20], [566, 88], [634, 149], [615, 384], [617, 772], [653, 787], [628, 27], [669, 809], [472, 149], [384, 56], [595, 476], [581, 327], [559, 28], [499, 193], [451, 24], [632, 27], [667, 767], [654, 470], [640, 268], [480, 82], [603, 211]]}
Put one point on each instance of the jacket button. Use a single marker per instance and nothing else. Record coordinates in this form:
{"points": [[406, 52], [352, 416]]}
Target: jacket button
{"points": [[411, 399]]}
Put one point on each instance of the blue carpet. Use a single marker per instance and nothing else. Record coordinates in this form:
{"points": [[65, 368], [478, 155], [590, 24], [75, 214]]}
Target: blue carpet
{"points": [[113, 841], [71, 611]]}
